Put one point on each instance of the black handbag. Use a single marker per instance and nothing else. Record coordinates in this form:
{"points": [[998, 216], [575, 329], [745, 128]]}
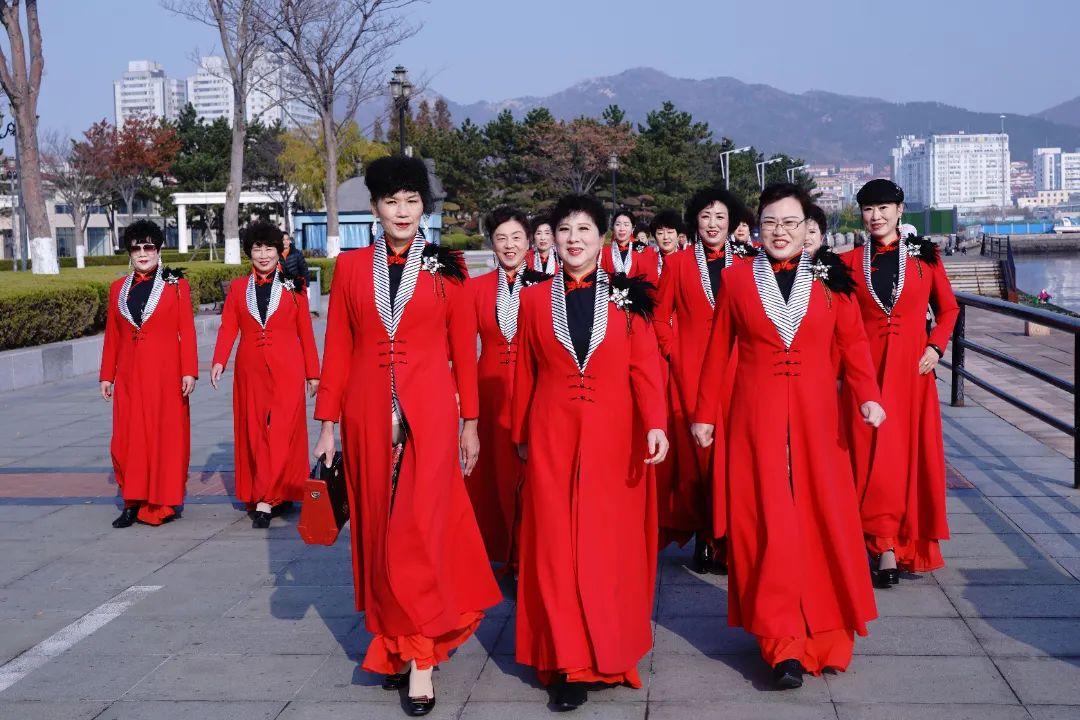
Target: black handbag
{"points": [[326, 503]]}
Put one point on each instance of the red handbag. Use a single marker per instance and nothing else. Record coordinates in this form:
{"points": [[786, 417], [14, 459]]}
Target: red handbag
{"points": [[325, 509]]}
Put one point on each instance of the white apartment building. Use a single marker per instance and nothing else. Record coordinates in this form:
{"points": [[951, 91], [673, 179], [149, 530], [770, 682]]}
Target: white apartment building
{"points": [[209, 90], [968, 172], [1057, 170], [145, 90], [269, 100]]}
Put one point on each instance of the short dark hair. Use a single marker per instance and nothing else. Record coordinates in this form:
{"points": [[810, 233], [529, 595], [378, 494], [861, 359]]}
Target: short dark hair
{"points": [[779, 191], [389, 175], [666, 219], [263, 233], [537, 220], [502, 214], [641, 227], [570, 204], [624, 212], [142, 230], [707, 196], [818, 215]]}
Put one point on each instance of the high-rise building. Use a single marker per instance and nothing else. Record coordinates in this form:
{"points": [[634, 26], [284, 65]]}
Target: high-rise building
{"points": [[1057, 170], [960, 170], [209, 90], [269, 99], [145, 90], [1070, 171]]}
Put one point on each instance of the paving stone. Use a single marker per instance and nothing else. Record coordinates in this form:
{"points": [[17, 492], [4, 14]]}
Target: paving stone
{"points": [[990, 601], [486, 710], [1030, 637], [1059, 522], [984, 545], [911, 600], [445, 709], [85, 678], [341, 679], [1036, 505], [47, 710], [951, 711], [140, 636], [709, 635], [677, 572], [699, 599], [726, 678], [918, 636], [1051, 681], [318, 573], [227, 677], [293, 603], [1059, 545], [729, 710], [895, 679], [273, 636], [1002, 571], [184, 710], [1053, 712], [27, 603]]}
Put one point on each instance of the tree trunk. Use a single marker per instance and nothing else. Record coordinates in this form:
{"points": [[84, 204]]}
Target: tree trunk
{"points": [[42, 243], [236, 182], [333, 241], [77, 215]]}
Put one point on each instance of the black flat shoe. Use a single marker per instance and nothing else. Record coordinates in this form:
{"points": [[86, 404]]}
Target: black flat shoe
{"points": [[395, 681], [418, 707], [891, 576], [882, 579], [787, 675], [570, 696], [260, 520], [127, 517], [703, 559]]}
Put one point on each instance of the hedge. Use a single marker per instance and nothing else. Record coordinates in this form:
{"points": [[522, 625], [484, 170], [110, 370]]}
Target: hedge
{"points": [[462, 241], [168, 257]]}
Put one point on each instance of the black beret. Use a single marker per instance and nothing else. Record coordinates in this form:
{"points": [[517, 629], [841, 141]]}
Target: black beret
{"points": [[880, 191], [394, 173]]}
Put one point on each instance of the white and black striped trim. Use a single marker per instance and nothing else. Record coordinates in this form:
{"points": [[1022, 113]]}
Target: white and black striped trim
{"points": [[507, 303], [785, 316], [253, 303], [390, 312], [617, 263], [549, 267], [151, 301], [703, 271], [868, 251], [600, 316]]}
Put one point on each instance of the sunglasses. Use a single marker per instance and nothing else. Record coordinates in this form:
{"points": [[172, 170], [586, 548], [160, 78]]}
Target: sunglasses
{"points": [[145, 247]]}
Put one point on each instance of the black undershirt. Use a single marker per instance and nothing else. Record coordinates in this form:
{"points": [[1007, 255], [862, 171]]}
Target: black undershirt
{"points": [[395, 281], [262, 298], [785, 279], [138, 294], [715, 267], [580, 307], [625, 253], [885, 272]]}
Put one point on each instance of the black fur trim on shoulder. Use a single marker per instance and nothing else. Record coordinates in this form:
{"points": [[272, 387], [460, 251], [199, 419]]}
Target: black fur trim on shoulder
{"points": [[638, 294], [451, 262], [299, 284], [172, 275], [827, 266], [926, 251], [532, 277], [743, 249]]}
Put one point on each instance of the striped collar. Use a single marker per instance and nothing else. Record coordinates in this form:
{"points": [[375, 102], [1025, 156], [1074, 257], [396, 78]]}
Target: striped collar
{"points": [[562, 325], [151, 301], [786, 316], [253, 303], [391, 311], [868, 252]]}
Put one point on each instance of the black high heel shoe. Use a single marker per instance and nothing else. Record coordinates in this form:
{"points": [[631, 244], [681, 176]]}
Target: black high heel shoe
{"points": [[569, 696], [703, 556], [788, 675], [260, 520], [883, 579], [418, 707], [127, 517]]}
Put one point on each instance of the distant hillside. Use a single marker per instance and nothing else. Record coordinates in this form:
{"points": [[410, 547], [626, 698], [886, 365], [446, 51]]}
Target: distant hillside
{"points": [[1067, 113], [817, 126]]}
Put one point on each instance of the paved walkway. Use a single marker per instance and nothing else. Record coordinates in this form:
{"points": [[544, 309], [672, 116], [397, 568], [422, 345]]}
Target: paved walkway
{"points": [[213, 620]]}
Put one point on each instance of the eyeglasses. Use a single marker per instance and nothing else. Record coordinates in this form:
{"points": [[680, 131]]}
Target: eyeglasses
{"points": [[145, 247], [789, 225]]}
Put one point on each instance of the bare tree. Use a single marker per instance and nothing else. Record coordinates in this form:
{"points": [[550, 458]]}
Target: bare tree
{"points": [[242, 31], [339, 49], [68, 166], [20, 77]]}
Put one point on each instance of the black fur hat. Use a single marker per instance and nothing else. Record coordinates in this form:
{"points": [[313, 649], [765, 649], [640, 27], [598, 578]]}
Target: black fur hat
{"points": [[395, 173]]}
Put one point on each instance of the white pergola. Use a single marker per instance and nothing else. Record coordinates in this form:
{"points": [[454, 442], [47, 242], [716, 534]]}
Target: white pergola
{"points": [[183, 199]]}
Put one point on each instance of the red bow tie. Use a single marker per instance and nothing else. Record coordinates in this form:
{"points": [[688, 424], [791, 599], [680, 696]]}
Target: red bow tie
{"points": [[711, 254], [578, 285], [880, 249], [143, 277], [264, 279], [623, 247], [511, 276], [395, 259], [785, 265]]}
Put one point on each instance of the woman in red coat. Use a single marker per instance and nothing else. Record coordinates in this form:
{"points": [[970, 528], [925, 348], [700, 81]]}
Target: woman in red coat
{"points": [[277, 353], [495, 485], [665, 227], [684, 316], [587, 363], [149, 365], [799, 579], [627, 255], [900, 473], [541, 256], [399, 316]]}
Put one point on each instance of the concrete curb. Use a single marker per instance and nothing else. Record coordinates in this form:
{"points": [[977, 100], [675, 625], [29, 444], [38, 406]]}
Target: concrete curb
{"points": [[27, 367]]}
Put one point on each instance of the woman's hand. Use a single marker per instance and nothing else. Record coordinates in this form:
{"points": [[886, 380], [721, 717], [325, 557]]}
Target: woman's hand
{"points": [[523, 452], [106, 390], [873, 413], [703, 434], [215, 374], [928, 361], [658, 446], [325, 444], [469, 445], [187, 385], [312, 387]]}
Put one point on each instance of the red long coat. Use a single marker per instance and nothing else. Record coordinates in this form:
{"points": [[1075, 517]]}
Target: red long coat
{"points": [[900, 471], [588, 529], [420, 565], [495, 483], [643, 263], [269, 418], [796, 553], [530, 258], [151, 442]]}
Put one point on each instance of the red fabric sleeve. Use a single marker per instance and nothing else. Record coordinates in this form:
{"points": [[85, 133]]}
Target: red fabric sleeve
{"points": [[307, 336], [112, 337], [650, 265], [858, 364], [524, 377], [230, 326], [461, 332], [943, 298], [707, 409], [665, 308], [189, 344], [645, 374], [338, 345]]}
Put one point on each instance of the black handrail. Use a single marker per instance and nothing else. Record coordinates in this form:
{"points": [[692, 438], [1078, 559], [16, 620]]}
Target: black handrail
{"points": [[1055, 321], [999, 247]]}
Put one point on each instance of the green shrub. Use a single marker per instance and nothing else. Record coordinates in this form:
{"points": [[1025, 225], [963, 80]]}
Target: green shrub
{"points": [[206, 281], [326, 266], [169, 257], [462, 241], [36, 317]]}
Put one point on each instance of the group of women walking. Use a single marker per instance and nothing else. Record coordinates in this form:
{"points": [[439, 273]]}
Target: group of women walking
{"points": [[625, 397]]}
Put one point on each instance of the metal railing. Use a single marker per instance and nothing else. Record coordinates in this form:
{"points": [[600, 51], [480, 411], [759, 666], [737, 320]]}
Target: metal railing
{"points": [[999, 247], [1052, 320]]}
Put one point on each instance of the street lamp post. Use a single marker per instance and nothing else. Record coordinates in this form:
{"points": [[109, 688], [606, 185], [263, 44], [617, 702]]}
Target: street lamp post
{"points": [[1005, 169], [613, 166], [792, 170], [16, 240], [400, 90], [761, 170], [725, 164]]}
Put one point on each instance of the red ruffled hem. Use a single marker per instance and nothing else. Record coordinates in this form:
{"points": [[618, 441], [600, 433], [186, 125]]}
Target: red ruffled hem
{"points": [[389, 655], [630, 678], [911, 555], [150, 514], [827, 649]]}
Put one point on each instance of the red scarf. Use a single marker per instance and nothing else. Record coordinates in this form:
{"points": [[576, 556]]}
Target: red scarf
{"points": [[789, 264], [144, 277], [261, 279]]}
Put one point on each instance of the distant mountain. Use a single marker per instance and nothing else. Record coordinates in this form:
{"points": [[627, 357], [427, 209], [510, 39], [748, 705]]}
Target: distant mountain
{"points": [[1067, 113], [820, 127]]}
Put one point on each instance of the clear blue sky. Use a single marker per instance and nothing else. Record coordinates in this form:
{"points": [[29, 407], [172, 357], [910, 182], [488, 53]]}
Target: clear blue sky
{"points": [[988, 55]]}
